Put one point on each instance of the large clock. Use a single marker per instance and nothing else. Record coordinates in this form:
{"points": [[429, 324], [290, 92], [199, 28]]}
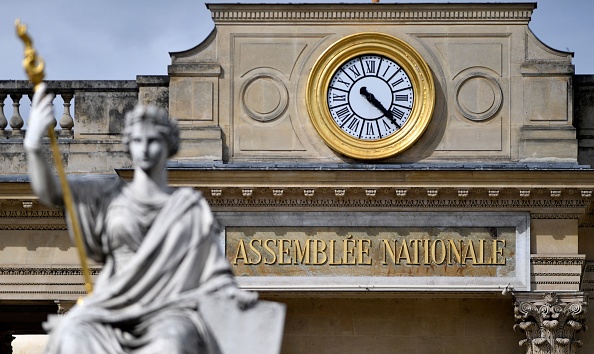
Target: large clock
{"points": [[370, 96]]}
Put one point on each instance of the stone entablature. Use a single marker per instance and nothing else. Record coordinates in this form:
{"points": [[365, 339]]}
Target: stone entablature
{"points": [[394, 13], [562, 204]]}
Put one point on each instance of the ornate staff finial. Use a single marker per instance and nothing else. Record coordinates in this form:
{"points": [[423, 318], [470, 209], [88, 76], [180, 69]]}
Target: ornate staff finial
{"points": [[33, 64]]}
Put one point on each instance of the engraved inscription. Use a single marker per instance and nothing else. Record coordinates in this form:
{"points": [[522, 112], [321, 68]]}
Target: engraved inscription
{"points": [[342, 251]]}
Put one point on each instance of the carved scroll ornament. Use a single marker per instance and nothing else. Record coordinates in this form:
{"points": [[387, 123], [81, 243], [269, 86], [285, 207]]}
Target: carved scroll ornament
{"points": [[550, 322]]}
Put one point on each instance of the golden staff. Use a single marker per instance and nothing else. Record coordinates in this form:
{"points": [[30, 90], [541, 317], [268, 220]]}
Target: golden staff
{"points": [[34, 66]]}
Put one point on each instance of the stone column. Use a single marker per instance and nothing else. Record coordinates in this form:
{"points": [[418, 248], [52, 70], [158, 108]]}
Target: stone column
{"points": [[550, 321], [6, 343]]}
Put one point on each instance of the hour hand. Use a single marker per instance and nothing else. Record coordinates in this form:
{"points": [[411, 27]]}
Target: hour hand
{"points": [[371, 98]]}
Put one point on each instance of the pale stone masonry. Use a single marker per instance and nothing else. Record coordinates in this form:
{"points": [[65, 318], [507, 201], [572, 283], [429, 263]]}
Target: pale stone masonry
{"points": [[510, 137]]}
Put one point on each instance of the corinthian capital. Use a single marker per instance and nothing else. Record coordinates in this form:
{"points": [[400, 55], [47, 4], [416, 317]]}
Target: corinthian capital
{"points": [[550, 321]]}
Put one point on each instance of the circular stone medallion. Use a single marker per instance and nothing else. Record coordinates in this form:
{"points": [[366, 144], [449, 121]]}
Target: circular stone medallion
{"points": [[478, 96], [264, 97]]}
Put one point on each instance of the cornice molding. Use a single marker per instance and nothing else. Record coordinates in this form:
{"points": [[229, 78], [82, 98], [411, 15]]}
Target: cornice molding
{"points": [[31, 214], [536, 259], [380, 176], [567, 196], [555, 282], [557, 275], [542, 203], [46, 271], [32, 227], [383, 198], [392, 13]]}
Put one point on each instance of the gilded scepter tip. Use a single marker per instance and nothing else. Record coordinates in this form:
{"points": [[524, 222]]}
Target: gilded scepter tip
{"points": [[32, 63]]}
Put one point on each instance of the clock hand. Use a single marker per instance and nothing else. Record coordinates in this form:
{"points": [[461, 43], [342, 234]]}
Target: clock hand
{"points": [[371, 99]]}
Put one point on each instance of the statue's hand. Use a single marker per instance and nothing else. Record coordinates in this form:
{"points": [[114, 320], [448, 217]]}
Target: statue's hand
{"points": [[245, 299], [41, 117]]}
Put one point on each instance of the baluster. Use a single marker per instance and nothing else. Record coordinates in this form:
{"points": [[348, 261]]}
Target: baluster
{"points": [[3, 121], [16, 121], [66, 122]]}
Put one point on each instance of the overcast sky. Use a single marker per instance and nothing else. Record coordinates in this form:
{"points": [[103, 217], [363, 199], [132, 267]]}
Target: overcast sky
{"points": [[119, 39]]}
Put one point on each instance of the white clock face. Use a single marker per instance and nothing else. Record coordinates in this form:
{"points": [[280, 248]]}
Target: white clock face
{"points": [[370, 97]]}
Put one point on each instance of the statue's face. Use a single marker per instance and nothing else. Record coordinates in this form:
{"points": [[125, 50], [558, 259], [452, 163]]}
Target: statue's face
{"points": [[148, 147]]}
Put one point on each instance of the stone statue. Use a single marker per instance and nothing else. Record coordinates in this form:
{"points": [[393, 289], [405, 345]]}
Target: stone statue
{"points": [[157, 245]]}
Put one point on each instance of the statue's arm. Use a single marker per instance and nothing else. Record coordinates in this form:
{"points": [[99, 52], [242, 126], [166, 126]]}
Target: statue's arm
{"points": [[43, 182]]}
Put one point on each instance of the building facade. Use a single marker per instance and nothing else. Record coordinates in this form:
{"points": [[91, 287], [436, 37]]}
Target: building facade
{"points": [[407, 178]]}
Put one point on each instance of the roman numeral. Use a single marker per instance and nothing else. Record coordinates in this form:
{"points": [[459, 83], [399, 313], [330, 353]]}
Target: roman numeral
{"points": [[369, 128], [336, 97], [398, 114], [387, 127], [403, 89], [379, 66], [400, 97], [347, 84], [355, 71], [397, 82], [343, 112], [391, 77], [369, 66], [354, 124]]}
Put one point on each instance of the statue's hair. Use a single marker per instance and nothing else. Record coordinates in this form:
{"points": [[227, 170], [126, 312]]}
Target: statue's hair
{"points": [[159, 118]]}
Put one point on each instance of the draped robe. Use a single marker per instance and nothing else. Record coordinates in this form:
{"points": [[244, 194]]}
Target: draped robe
{"points": [[159, 258]]}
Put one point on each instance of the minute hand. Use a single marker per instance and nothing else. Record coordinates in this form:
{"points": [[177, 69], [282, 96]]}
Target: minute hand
{"points": [[371, 98]]}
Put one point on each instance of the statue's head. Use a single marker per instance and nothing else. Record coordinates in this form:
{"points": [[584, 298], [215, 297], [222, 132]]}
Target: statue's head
{"points": [[157, 117]]}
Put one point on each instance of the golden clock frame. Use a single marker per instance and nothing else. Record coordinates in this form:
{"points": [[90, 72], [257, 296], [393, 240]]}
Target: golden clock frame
{"points": [[355, 45]]}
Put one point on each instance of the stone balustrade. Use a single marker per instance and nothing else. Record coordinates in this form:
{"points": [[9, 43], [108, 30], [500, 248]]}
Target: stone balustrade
{"points": [[89, 97], [92, 113], [17, 90]]}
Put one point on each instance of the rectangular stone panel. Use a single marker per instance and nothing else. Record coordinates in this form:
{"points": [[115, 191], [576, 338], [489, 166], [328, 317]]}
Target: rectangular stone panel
{"points": [[192, 99], [371, 251], [476, 68], [546, 99], [366, 251], [101, 114]]}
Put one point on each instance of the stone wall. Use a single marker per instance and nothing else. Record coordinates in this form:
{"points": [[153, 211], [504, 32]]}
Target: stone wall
{"points": [[513, 131], [409, 325], [501, 95], [583, 98]]}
